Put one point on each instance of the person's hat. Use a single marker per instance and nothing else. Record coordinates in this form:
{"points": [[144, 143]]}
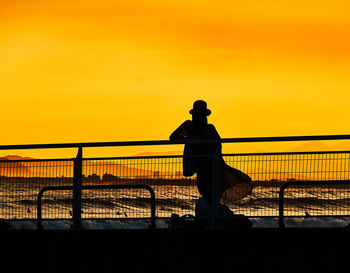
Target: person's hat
{"points": [[200, 106]]}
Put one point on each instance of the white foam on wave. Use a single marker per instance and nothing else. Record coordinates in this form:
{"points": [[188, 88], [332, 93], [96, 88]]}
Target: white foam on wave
{"points": [[326, 222], [144, 224], [86, 224]]}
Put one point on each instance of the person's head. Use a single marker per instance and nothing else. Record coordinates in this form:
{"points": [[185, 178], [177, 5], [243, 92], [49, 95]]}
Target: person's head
{"points": [[200, 112]]}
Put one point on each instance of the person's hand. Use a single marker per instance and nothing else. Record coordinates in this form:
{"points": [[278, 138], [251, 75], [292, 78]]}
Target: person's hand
{"points": [[183, 134]]}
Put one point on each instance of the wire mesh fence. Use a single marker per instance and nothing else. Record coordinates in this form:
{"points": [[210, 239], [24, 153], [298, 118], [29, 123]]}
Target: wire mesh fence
{"points": [[270, 170], [21, 180], [174, 192]]}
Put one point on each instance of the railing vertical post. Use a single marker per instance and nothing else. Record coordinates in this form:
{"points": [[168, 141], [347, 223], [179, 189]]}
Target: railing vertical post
{"points": [[281, 205], [215, 189], [77, 181]]}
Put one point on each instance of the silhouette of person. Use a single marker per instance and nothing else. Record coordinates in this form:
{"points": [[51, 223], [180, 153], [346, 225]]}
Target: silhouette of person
{"points": [[233, 184]]}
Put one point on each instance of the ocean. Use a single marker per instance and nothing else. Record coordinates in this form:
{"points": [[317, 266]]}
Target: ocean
{"points": [[19, 201]]}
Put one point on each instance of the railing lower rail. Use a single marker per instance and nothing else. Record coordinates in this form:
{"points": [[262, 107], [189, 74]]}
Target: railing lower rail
{"points": [[96, 187], [301, 183]]}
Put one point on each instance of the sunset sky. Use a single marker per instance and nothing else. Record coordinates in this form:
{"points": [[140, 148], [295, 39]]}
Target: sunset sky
{"points": [[107, 70]]}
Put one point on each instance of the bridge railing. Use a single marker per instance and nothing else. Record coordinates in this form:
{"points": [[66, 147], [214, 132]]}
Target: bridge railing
{"points": [[94, 188], [336, 204], [21, 180]]}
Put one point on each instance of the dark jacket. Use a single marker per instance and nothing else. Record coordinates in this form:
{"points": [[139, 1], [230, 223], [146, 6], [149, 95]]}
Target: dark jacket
{"points": [[189, 130], [233, 184]]}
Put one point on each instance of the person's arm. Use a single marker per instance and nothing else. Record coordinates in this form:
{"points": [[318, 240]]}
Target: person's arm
{"points": [[181, 132]]}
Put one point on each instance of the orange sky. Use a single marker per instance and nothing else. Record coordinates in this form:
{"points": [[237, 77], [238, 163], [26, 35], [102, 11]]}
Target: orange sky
{"points": [[81, 71]]}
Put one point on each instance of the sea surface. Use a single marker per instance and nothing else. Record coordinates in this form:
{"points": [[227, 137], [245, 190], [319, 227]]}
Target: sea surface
{"points": [[19, 201]]}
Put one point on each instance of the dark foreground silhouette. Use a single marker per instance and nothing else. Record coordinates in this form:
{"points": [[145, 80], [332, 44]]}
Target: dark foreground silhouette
{"points": [[233, 184]]}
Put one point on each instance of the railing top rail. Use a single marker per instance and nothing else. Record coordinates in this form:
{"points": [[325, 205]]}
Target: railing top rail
{"points": [[168, 142]]}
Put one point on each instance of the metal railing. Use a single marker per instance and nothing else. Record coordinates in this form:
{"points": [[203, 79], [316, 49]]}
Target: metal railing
{"points": [[304, 184], [168, 142], [96, 187], [174, 193]]}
